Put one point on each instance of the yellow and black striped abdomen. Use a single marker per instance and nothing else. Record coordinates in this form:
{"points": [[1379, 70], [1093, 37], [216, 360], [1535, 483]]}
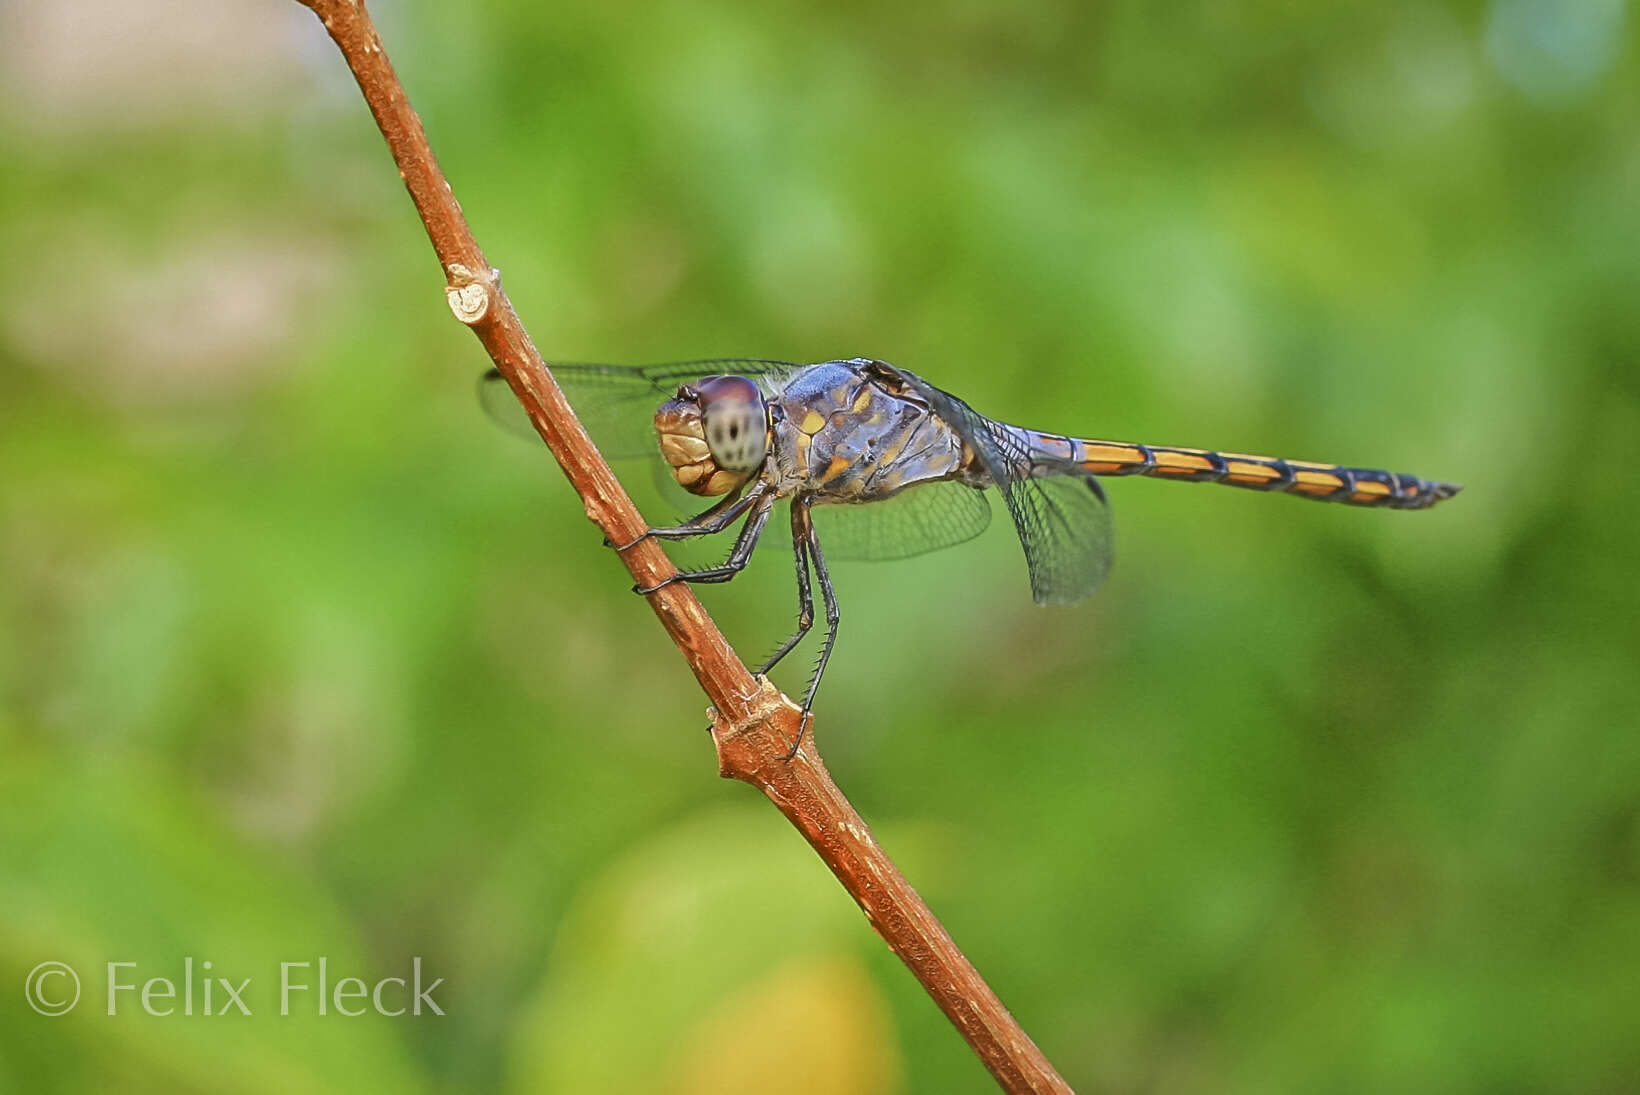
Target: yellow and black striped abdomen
{"points": [[1323, 482]]}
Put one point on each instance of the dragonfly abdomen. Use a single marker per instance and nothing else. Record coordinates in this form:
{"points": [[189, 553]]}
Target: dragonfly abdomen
{"points": [[1322, 482]]}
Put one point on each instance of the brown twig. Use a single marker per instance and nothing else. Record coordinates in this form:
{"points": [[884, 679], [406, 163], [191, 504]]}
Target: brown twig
{"points": [[753, 723]]}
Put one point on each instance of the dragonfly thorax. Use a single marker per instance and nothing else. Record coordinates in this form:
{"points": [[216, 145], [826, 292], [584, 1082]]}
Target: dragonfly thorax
{"points": [[714, 434]]}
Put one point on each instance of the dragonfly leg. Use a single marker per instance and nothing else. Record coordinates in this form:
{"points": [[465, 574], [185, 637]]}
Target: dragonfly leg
{"points": [[832, 616], [801, 528], [738, 558], [706, 523]]}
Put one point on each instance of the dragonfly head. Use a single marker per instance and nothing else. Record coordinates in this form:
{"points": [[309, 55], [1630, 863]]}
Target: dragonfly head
{"points": [[714, 433]]}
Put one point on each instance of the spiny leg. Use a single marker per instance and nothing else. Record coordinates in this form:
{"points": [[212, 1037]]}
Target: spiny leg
{"points": [[801, 528], [738, 558], [832, 617], [708, 522]]}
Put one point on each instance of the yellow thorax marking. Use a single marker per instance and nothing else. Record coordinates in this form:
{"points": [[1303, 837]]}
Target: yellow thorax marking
{"points": [[838, 465]]}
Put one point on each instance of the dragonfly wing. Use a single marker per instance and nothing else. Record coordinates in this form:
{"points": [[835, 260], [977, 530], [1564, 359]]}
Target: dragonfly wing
{"points": [[1064, 525], [919, 519], [616, 403], [1062, 518]]}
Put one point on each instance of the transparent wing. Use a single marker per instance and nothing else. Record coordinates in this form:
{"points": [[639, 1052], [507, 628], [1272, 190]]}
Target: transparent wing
{"points": [[1062, 518], [1064, 525], [616, 403], [920, 519]]}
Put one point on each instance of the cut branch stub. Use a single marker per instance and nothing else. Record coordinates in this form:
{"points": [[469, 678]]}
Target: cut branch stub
{"points": [[469, 295]]}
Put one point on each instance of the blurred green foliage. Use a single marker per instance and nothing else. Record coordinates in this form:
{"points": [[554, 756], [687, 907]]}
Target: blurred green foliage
{"points": [[301, 658]]}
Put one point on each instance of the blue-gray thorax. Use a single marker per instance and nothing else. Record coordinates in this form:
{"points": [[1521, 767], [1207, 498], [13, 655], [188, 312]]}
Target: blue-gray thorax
{"points": [[842, 434]]}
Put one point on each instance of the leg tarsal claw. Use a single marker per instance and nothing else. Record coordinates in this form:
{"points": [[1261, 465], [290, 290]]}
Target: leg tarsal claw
{"points": [[803, 723]]}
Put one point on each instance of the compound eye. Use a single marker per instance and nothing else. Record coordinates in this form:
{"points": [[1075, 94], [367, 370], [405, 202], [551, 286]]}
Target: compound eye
{"points": [[736, 434], [733, 414]]}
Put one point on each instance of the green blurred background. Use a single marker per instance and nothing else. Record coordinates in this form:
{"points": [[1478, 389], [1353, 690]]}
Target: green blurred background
{"points": [[301, 657]]}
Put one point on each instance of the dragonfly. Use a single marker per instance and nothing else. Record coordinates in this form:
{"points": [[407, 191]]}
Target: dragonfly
{"points": [[881, 463]]}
